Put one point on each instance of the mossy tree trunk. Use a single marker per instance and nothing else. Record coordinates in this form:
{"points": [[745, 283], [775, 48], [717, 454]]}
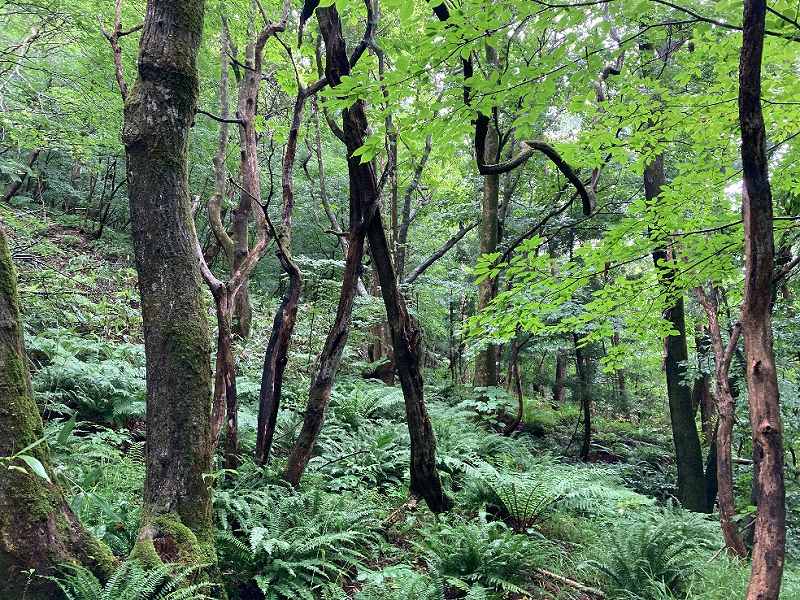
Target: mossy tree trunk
{"points": [[37, 528], [159, 111]]}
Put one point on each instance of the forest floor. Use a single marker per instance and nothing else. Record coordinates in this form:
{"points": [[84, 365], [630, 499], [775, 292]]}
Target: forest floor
{"points": [[529, 519]]}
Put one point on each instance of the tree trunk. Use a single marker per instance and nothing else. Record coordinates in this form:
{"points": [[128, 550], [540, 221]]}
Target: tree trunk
{"points": [[762, 384], [701, 392], [277, 354], [585, 375], [406, 335], [726, 407], [408, 350], [14, 187], [37, 528], [224, 405], [158, 114], [251, 180], [486, 361], [561, 376], [688, 453], [516, 381], [360, 206], [619, 380]]}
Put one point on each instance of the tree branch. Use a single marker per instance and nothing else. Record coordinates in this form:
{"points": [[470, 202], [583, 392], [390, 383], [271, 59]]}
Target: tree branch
{"points": [[444, 249]]}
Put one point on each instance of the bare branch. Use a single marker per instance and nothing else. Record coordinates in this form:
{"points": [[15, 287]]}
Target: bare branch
{"points": [[444, 249]]}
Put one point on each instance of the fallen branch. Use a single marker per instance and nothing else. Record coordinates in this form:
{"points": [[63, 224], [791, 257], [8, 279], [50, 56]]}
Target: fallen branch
{"points": [[571, 583]]}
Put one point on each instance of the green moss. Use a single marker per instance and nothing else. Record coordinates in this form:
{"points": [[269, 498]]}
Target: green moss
{"points": [[192, 345], [8, 278], [144, 552], [168, 540]]}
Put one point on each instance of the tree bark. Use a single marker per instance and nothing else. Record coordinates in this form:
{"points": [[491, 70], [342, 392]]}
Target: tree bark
{"points": [[361, 205], [762, 384], [365, 217], [561, 376], [619, 380], [584, 372], [407, 345], [516, 381], [37, 528], [158, 114], [688, 453], [14, 187], [277, 352], [726, 406], [486, 373], [701, 392]]}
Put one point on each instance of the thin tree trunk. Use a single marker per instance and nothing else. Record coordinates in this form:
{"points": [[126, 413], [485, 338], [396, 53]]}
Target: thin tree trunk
{"points": [[408, 351], [37, 528], [762, 384], [225, 407], [277, 352], [727, 410], [688, 452], [361, 205], [14, 187], [619, 380], [561, 376], [158, 115], [584, 374], [406, 335], [246, 112], [486, 360], [701, 392], [517, 383]]}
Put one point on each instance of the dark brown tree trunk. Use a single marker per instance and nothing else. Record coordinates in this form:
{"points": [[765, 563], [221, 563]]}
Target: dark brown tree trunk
{"points": [[277, 352], [38, 530], [14, 187], [516, 381], [158, 114], [559, 389], [361, 205], [619, 380], [408, 350], [762, 384], [727, 411], [406, 335], [584, 373], [688, 453], [224, 405], [701, 392]]}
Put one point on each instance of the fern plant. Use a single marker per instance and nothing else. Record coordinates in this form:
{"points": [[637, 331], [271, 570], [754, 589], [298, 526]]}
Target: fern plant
{"points": [[653, 558], [475, 557], [298, 545], [134, 582], [401, 582]]}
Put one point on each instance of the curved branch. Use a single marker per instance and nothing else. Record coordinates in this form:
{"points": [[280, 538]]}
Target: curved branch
{"points": [[528, 148], [444, 249]]}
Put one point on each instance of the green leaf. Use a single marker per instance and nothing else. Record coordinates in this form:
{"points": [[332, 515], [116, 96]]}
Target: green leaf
{"points": [[35, 466], [67, 430]]}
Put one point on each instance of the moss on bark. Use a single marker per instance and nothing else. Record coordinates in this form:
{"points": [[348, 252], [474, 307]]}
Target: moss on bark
{"points": [[38, 531]]}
